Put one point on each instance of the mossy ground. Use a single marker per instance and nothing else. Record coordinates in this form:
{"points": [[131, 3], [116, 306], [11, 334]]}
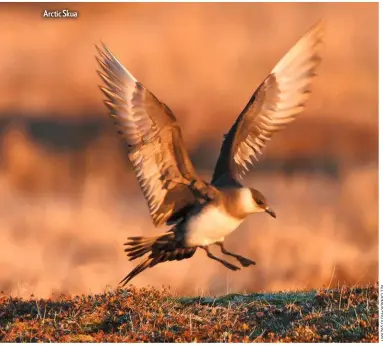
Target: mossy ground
{"points": [[149, 315]]}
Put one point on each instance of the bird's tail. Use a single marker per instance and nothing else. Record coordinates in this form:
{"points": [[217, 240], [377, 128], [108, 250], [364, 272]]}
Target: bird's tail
{"points": [[139, 246], [162, 248]]}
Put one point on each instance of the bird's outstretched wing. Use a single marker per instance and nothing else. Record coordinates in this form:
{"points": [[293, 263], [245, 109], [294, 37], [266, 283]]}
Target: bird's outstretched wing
{"points": [[156, 148], [275, 103]]}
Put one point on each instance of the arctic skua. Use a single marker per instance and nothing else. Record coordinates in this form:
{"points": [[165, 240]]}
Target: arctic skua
{"points": [[202, 214]]}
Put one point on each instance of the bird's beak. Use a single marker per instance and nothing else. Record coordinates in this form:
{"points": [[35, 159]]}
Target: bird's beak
{"points": [[271, 212]]}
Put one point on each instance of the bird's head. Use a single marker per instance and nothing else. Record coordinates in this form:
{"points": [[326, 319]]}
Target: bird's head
{"points": [[260, 203]]}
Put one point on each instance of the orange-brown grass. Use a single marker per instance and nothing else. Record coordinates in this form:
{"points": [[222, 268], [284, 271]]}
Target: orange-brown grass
{"points": [[342, 314], [326, 231], [200, 58]]}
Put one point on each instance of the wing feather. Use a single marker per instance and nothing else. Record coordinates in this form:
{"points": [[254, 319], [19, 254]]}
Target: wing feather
{"points": [[275, 104], [156, 148]]}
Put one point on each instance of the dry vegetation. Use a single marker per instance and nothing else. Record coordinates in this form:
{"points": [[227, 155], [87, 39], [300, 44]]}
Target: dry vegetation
{"points": [[202, 60], [148, 315], [58, 243]]}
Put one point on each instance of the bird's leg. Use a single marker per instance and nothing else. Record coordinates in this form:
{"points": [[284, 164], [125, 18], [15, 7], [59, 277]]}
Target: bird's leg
{"points": [[243, 260], [226, 264]]}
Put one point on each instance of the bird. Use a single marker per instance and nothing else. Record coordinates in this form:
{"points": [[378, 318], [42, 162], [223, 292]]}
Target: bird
{"points": [[200, 214]]}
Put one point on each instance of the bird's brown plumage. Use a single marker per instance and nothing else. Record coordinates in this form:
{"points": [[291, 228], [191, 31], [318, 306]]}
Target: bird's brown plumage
{"points": [[156, 148], [274, 104]]}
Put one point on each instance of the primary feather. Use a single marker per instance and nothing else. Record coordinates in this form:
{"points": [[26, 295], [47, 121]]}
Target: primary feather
{"points": [[275, 103], [156, 148]]}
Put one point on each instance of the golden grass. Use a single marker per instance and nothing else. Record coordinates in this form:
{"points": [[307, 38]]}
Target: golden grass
{"points": [[326, 232], [201, 59]]}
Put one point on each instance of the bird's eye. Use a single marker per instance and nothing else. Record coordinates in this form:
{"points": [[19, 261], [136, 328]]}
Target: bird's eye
{"points": [[259, 202]]}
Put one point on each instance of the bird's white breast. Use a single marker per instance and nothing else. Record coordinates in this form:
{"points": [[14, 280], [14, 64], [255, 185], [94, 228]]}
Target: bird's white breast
{"points": [[212, 224]]}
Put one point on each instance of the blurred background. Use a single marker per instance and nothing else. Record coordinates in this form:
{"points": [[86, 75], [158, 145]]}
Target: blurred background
{"points": [[68, 195]]}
